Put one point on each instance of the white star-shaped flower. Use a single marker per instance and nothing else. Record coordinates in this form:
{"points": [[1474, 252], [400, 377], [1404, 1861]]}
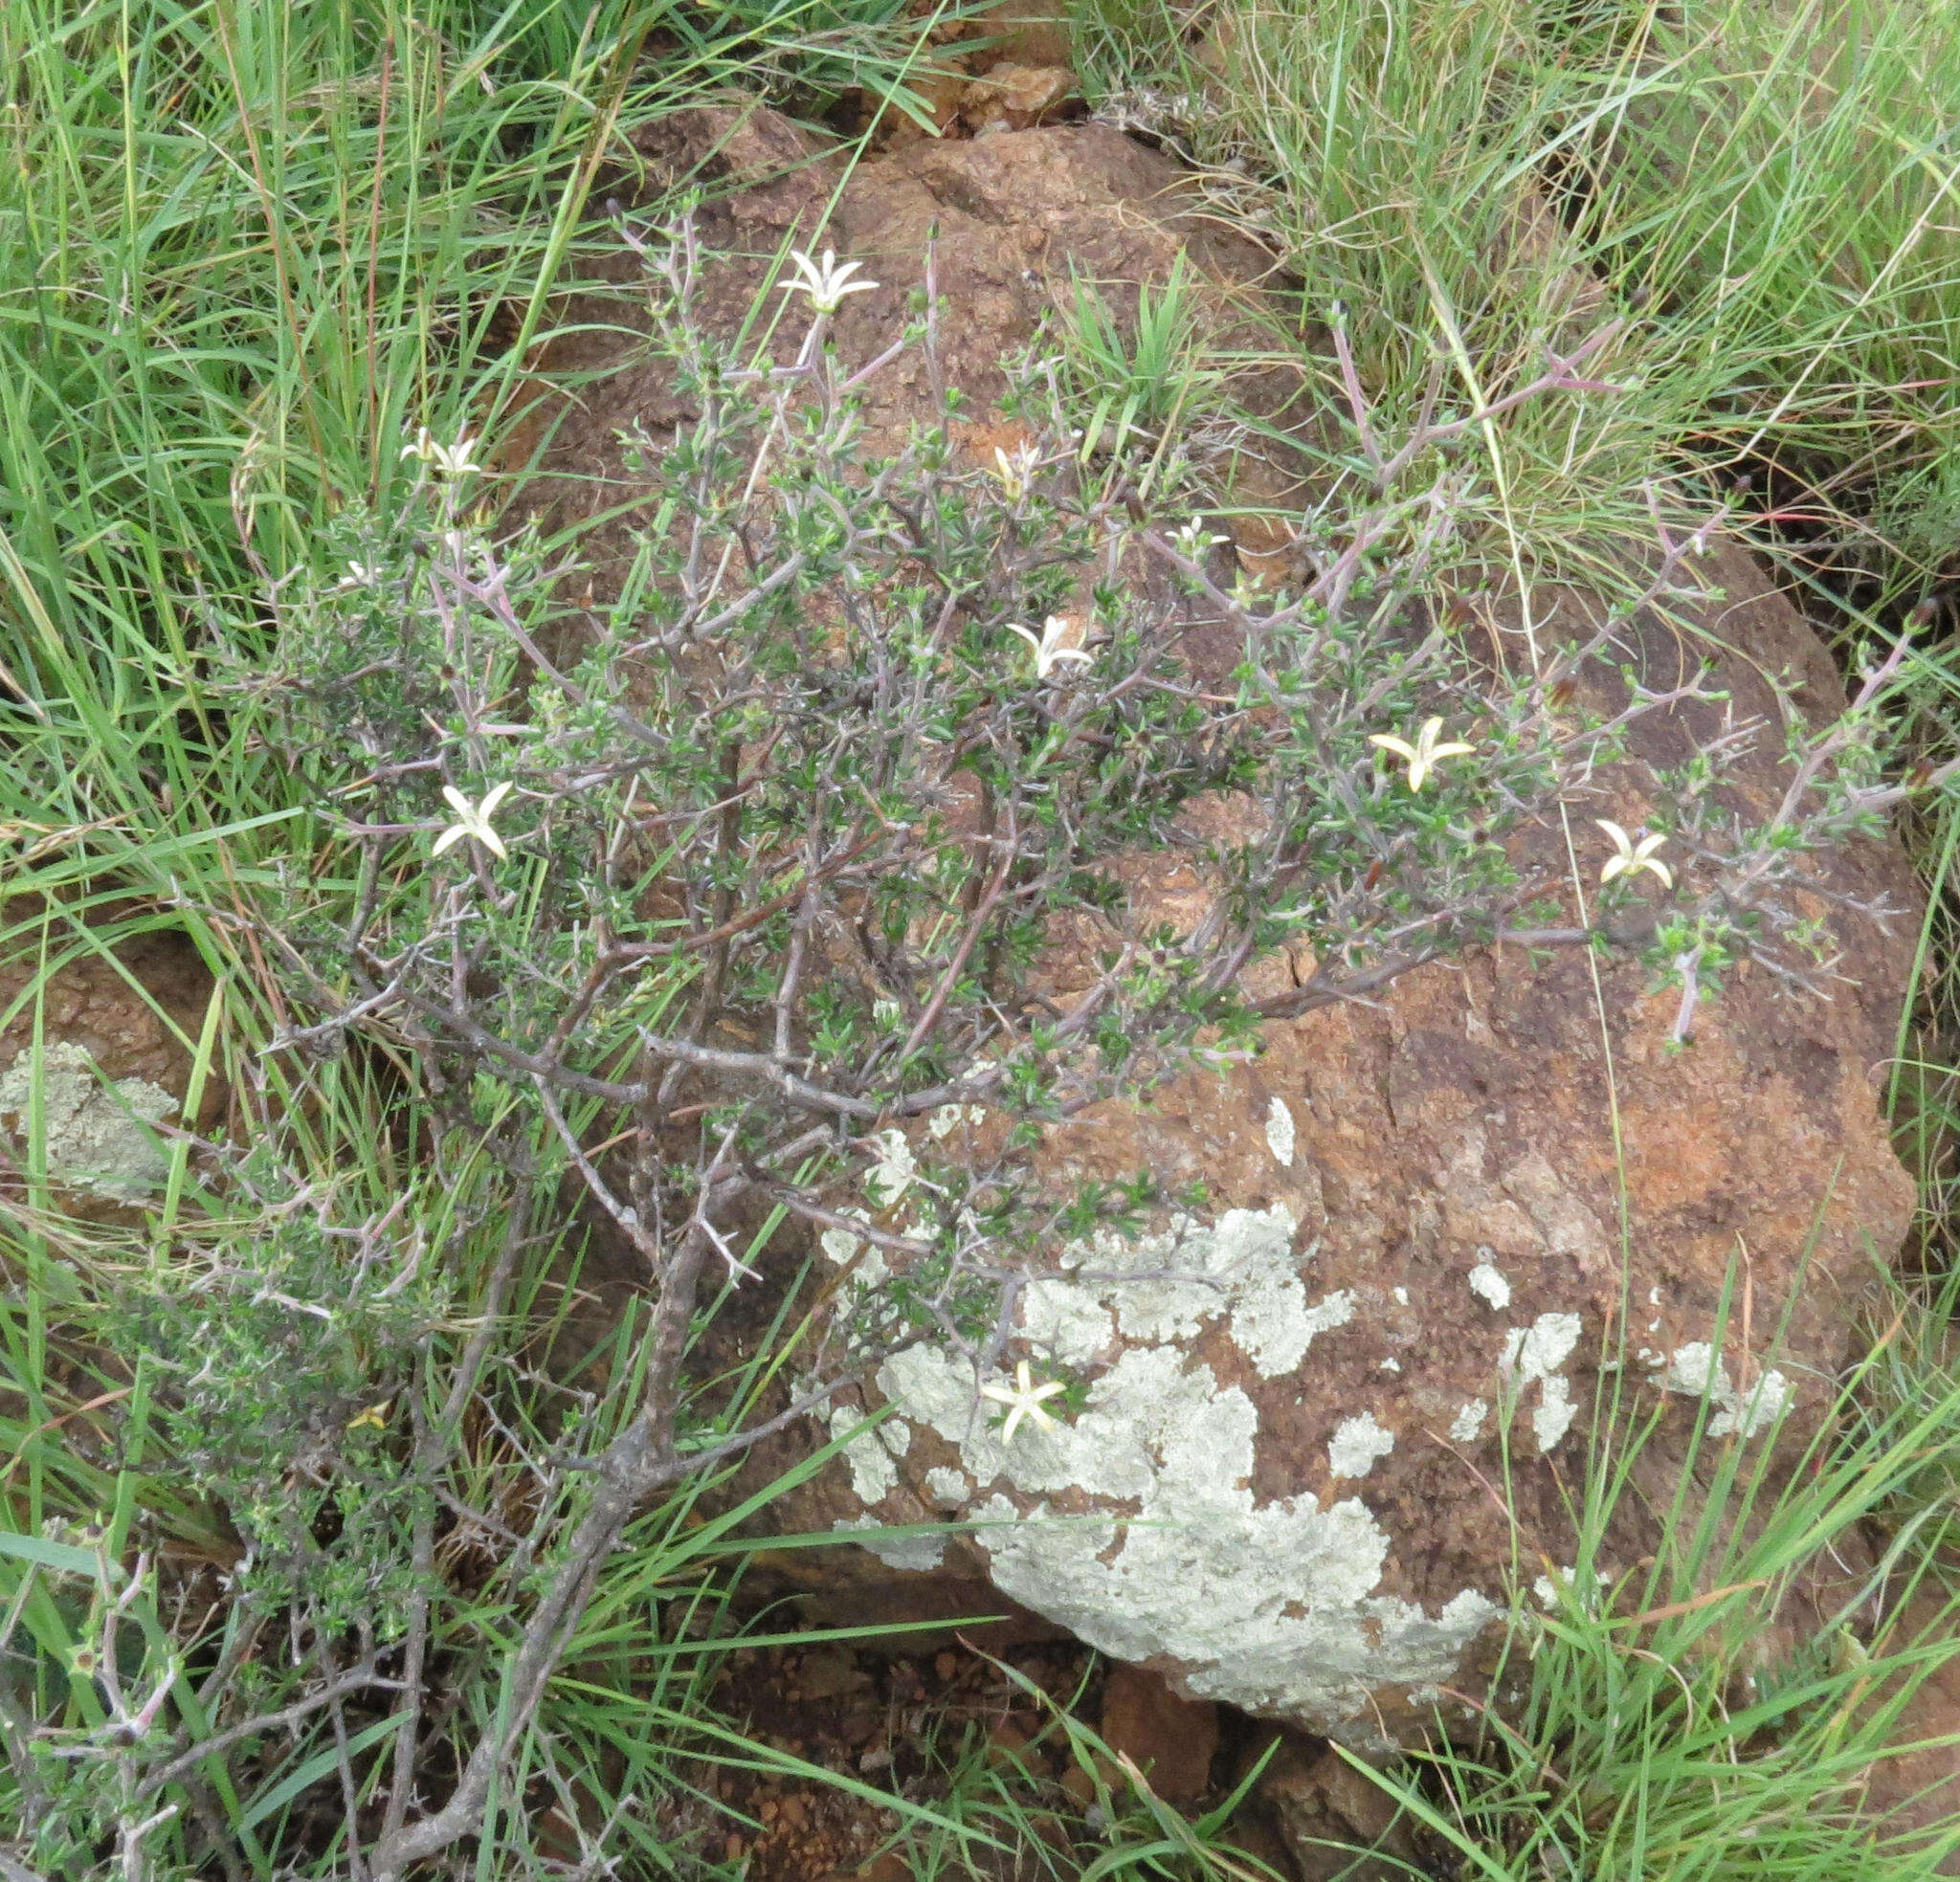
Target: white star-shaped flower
{"points": [[826, 282], [451, 459], [1194, 539], [472, 820], [1048, 651], [1023, 1400], [1425, 754], [1631, 858]]}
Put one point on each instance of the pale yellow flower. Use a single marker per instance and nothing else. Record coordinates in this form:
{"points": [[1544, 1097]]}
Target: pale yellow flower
{"points": [[451, 459], [472, 820], [1425, 754], [1194, 539], [826, 282], [1048, 650], [1015, 472], [1023, 1400], [1631, 858]]}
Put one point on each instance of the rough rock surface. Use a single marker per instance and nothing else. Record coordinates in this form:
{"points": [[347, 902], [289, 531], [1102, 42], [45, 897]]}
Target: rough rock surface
{"points": [[1284, 1484], [1324, 1810], [1169, 1739], [1320, 1413], [113, 1060], [1915, 1795], [1017, 215]]}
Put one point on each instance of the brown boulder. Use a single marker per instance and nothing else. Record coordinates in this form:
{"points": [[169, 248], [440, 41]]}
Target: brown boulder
{"points": [[1027, 32], [1013, 97], [1341, 1392], [1323, 1412]]}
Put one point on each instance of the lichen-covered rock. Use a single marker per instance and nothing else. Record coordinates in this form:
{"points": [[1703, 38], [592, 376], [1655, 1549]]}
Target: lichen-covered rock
{"points": [[95, 1129], [1320, 1412], [1321, 1415], [114, 1061]]}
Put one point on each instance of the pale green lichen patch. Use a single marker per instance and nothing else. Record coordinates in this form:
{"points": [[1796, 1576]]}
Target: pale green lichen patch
{"points": [[1699, 1370], [949, 1117], [1144, 1410], [1132, 1520], [1280, 1132], [868, 1316], [892, 1175], [1272, 1606], [1555, 1412], [1358, 1445], [1532, 1355], [1065, 1322], [1468, 1424], [840, 1246], [872, 1476], [95, 1134], [1538, 1350], [1555, 1589], [1166, 1287], [915, 1552]]}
